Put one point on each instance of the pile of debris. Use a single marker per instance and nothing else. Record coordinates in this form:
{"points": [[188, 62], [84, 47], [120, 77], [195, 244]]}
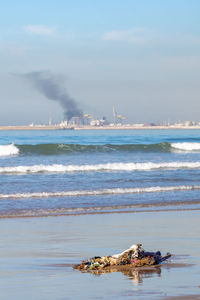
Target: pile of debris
{"points": [[135, 256]]}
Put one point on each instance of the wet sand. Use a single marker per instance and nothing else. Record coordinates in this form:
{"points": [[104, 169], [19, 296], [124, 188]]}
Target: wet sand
{"points": [[37, 255], [188, 297]]}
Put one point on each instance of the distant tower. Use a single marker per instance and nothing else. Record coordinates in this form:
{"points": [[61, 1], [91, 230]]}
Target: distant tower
{"points": [[114, 114], [118, 118]]}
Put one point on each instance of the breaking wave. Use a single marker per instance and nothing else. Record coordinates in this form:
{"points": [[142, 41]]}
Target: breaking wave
{"points": [[8, 150], [186, 146], [109, 167], [116, 191], [58, 149]]}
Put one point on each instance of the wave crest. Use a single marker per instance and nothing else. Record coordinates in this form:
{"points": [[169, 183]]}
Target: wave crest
{"points": [[8, 150], [186, 146], [153, 189], [59, 149], [109, 167]]}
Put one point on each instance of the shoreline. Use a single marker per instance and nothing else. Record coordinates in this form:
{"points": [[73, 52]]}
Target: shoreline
{"points": [[56, 215], [123, 127]]}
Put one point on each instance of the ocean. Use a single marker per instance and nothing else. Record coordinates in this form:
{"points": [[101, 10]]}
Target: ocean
{"points": [[64, 172]]}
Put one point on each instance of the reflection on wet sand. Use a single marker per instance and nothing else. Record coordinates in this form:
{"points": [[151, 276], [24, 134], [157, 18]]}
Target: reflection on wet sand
{"points": [[136, 276]]}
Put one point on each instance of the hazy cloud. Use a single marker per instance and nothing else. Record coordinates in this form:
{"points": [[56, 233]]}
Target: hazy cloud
{"points": [[141, 36], [40, 30], [134, 35]]}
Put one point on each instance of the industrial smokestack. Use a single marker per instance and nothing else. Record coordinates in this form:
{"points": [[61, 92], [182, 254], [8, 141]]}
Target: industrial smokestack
{"points": [[51, 86]]}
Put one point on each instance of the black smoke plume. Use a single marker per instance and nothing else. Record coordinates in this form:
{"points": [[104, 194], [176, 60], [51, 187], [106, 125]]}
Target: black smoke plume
{"points": [[51, 86]]}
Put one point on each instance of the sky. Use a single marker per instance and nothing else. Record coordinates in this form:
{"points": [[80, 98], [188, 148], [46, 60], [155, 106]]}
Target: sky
{"points": [[142, 57]]}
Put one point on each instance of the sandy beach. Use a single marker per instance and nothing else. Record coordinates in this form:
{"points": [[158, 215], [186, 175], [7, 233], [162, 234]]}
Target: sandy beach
{"points": [[37, 255], [88, 127]]}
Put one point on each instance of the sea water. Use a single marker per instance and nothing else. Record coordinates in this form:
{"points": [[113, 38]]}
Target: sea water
{"points": [[62, 172]]}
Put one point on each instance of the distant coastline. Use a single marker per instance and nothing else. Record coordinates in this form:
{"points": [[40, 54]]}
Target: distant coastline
{"points": [[87, 127]]}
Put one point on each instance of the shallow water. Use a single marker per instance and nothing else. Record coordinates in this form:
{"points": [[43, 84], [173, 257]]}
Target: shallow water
{"points": [[34, 252]]}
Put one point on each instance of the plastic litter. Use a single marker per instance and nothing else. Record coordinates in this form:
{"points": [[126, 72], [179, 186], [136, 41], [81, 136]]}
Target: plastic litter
{"points": [[135, 256]]}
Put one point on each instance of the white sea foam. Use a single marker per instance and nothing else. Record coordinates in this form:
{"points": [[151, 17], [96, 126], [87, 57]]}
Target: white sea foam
{"points": [[186, 146], [153, 189], [109, 167], [8, 150]]}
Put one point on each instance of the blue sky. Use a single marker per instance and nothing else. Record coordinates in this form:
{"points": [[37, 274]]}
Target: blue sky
{"points": [[140, 56]]}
